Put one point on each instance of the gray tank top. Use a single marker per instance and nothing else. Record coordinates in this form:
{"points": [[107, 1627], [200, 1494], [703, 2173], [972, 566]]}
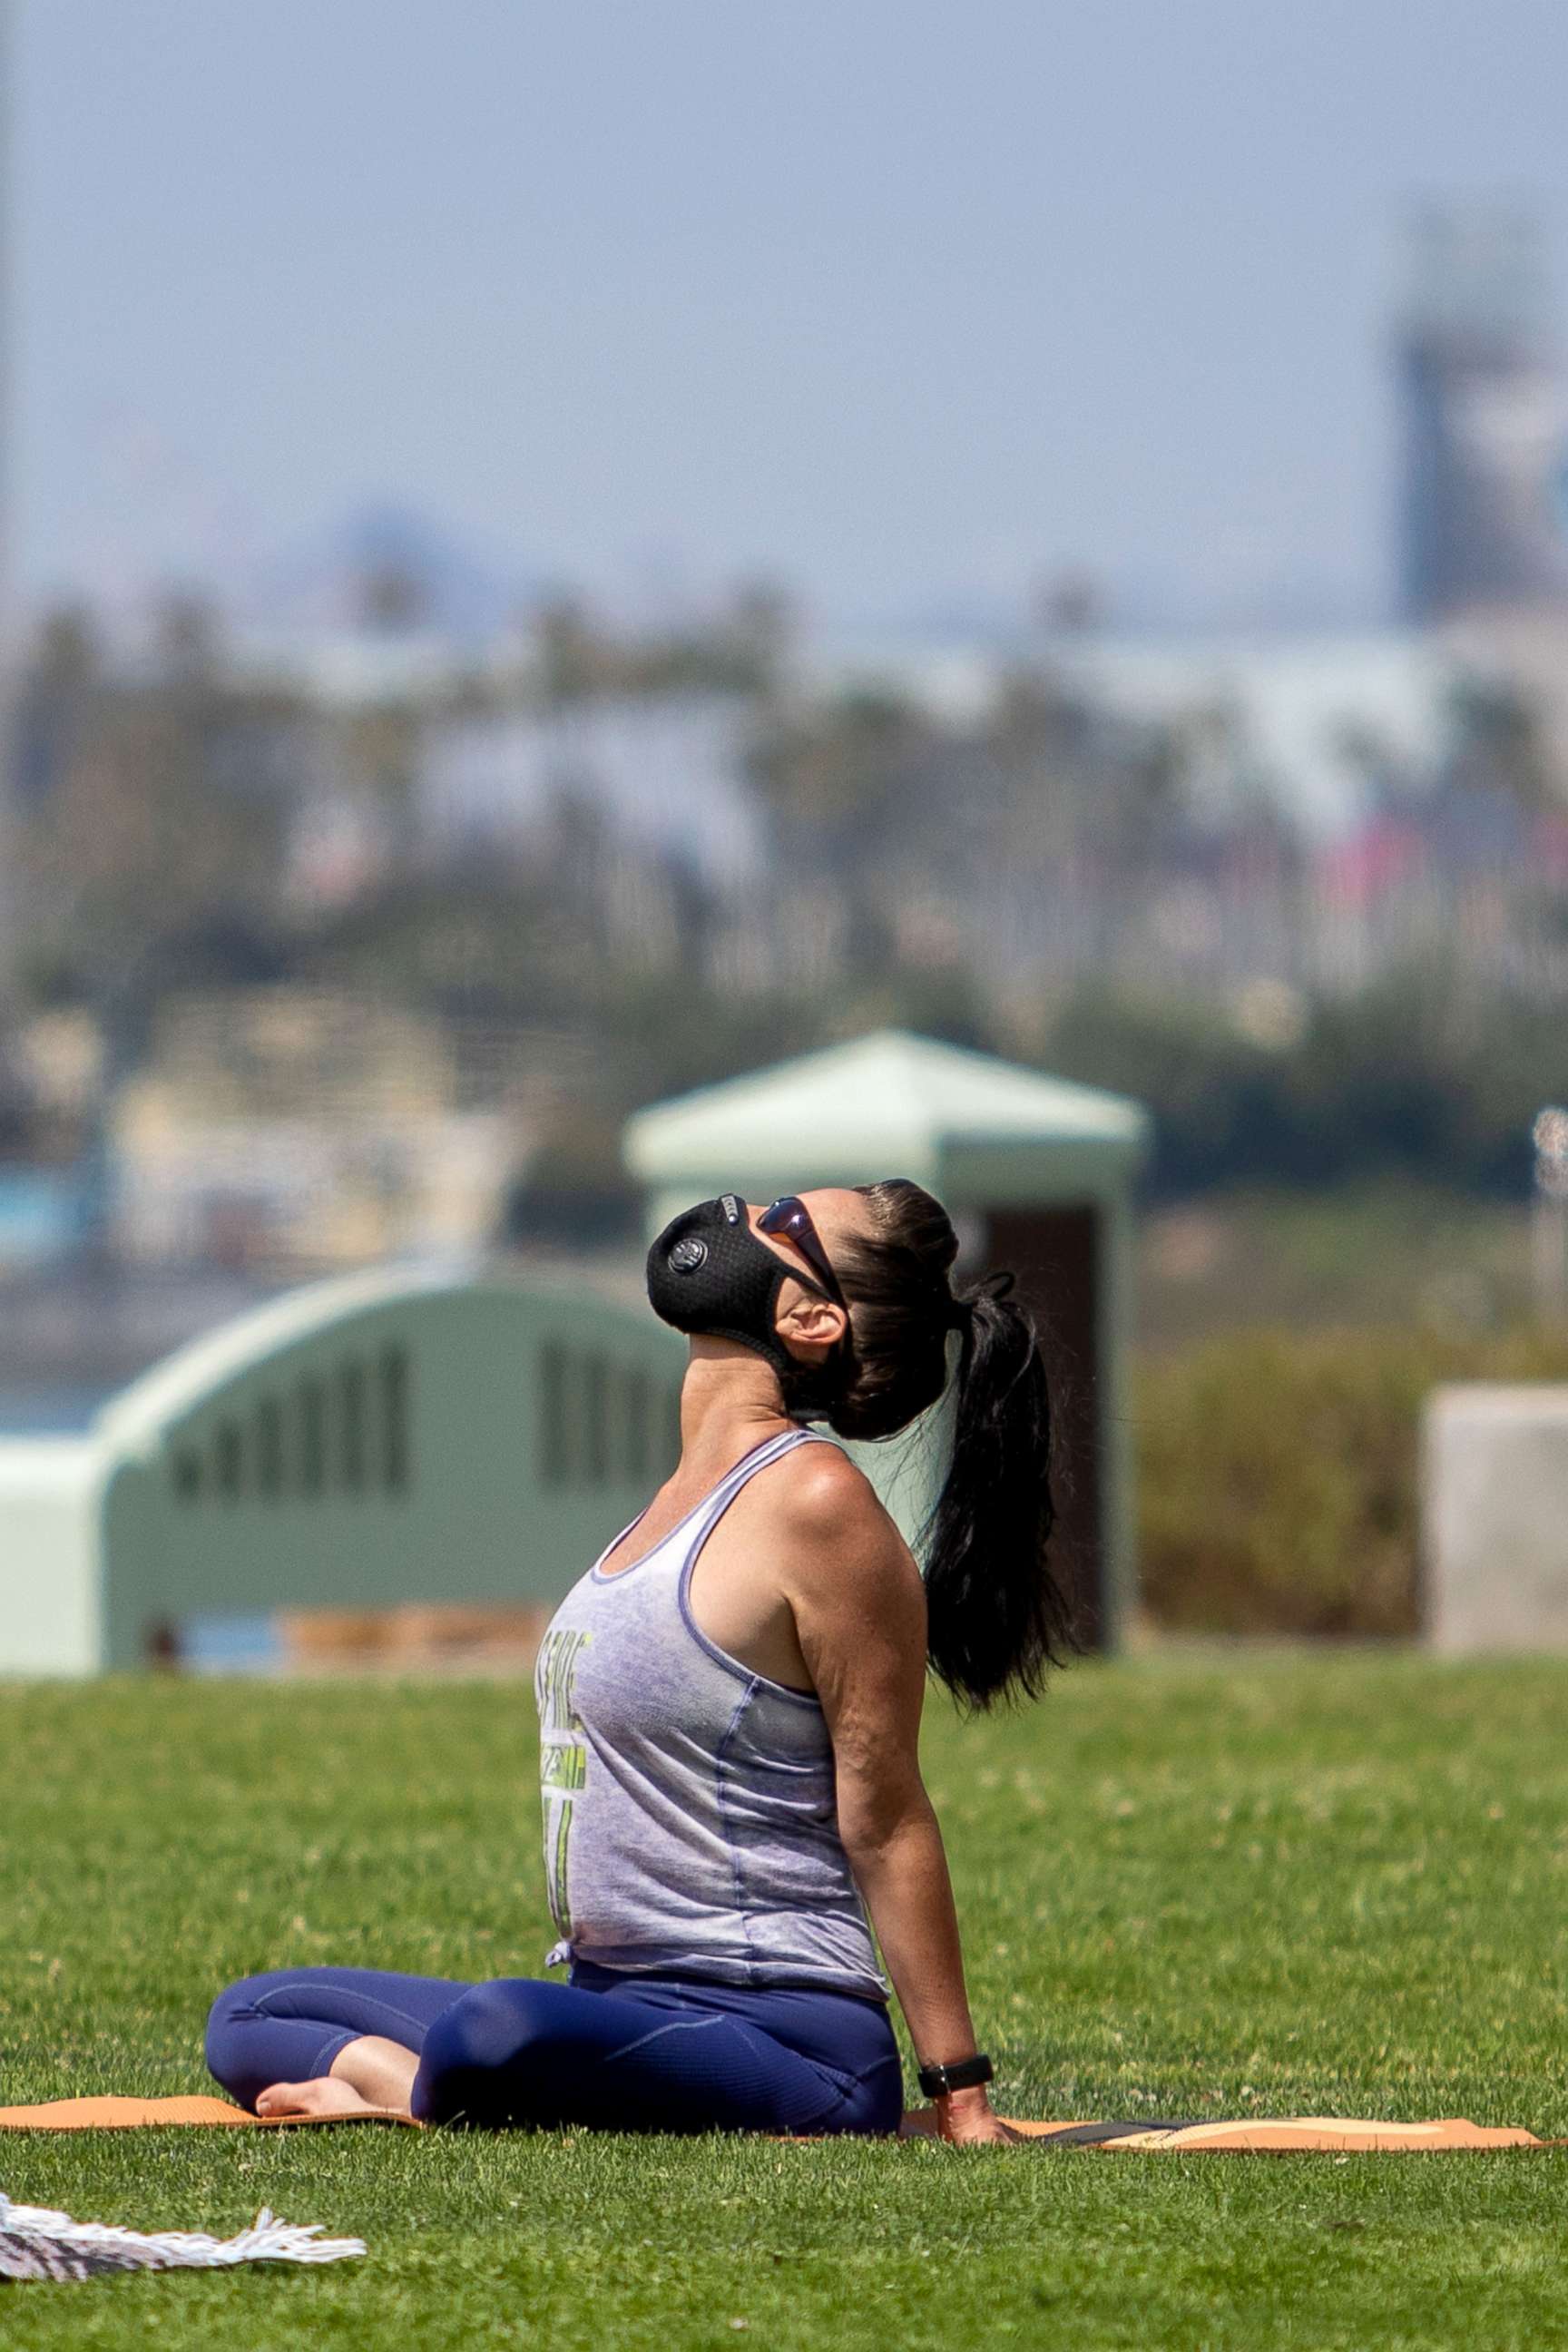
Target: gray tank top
{"points": [[689, 1821]]}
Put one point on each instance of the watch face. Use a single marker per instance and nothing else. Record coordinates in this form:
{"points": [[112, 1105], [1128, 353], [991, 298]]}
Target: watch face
{"points": [[689, 1253]]}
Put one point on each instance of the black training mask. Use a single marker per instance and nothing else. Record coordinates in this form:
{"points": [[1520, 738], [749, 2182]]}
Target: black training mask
{"points": [[708, 1273]]}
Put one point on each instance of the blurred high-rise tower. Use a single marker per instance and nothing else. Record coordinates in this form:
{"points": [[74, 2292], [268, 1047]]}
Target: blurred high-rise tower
{"points": [[1482, 419]]}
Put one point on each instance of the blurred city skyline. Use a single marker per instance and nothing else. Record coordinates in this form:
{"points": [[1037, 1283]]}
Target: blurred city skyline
{"points": [[910, 313]]}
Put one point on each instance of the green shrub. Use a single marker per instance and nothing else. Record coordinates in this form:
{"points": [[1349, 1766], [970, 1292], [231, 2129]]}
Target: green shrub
{"points": [[1277, 1473]]}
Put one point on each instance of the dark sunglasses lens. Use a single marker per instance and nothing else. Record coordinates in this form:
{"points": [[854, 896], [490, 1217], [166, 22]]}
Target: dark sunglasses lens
{"points": [[793, 1219]]}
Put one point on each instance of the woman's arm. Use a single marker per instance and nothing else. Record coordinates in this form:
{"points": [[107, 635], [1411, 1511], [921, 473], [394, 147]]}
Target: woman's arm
{"points": [[860, 1613]]}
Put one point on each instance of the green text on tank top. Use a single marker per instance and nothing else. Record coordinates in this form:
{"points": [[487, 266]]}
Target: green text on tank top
{"points": [[563, 1757]]}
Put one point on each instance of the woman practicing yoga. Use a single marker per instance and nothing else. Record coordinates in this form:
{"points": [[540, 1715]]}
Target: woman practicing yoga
{"points": [[728, 1707]]}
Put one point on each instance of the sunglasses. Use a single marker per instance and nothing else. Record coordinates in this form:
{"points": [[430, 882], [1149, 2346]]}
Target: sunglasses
{"points": [[791, 1218]]}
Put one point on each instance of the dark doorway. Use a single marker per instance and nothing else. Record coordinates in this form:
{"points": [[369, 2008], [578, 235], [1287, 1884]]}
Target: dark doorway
{"points": [[1055, 1253]]}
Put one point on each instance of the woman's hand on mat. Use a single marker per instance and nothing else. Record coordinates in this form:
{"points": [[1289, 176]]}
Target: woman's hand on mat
{"points": [[967, 2119]]}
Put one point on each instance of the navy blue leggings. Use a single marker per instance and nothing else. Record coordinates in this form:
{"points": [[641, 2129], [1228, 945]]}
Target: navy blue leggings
{"points": [[609, 2050]]}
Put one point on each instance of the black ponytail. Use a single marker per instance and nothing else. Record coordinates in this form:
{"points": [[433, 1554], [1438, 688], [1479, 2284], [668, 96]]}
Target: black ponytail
{"points": [[997, 1618]]}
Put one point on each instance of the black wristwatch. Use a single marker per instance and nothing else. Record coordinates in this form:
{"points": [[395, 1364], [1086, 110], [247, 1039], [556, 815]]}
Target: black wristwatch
{"points": [[963, 2074]]}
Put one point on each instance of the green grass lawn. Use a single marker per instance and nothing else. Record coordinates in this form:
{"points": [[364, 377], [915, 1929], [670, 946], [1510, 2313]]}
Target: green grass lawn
{"points": [[1190, 1885]]}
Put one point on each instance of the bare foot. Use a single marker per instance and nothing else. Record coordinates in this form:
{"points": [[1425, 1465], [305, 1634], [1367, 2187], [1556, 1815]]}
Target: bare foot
{"points": [[327, 2096]]}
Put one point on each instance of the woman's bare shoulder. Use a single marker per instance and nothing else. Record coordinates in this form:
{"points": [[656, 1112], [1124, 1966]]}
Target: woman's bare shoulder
{"points": [[825, 1487], [834, 1522]]}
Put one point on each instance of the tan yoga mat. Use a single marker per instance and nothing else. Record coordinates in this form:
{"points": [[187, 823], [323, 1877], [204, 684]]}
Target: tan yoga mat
{"points": [[140, 2114], [1323, 2134], [1327, 2135]]}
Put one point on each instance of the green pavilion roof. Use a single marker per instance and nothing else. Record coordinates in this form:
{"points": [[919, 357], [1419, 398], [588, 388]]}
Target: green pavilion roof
{"points": [[974, 1129]]}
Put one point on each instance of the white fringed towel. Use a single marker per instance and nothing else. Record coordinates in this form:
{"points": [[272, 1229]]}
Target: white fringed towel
{"points": [[37, 2244]]}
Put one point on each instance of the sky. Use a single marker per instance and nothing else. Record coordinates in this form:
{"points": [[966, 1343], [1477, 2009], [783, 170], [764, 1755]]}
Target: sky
{"points": [[909, 305]]}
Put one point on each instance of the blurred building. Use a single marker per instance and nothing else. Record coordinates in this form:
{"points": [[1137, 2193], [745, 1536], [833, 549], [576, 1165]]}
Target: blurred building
{"points": [[664, 774], [299, 1129], [1308, 727], [1482, 419]]}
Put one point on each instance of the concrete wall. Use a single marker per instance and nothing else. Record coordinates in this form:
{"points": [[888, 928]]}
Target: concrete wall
{"points": [[1494, 1518], [50, 1509]]}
